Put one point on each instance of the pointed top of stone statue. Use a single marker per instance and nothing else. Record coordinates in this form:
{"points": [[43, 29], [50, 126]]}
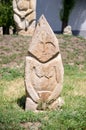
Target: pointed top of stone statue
{"points": [[44, 45]]}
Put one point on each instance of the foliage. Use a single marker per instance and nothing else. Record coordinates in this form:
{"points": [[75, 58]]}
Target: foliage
{"points": [[67, 7], [65, 11], [6, 13]]}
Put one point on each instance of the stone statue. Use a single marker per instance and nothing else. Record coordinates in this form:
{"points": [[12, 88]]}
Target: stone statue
{"points": [[25, 16], [11, 30], [67, 30], [44, 70], [1, 30]]}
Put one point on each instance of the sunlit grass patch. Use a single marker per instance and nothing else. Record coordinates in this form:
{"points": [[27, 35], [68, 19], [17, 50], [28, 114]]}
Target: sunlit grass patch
{"points": [[12, 93], [14, 89], [80, 88], [75, 86]]}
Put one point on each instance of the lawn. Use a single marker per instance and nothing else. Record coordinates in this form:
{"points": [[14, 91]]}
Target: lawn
{"points": [[72, 115]]}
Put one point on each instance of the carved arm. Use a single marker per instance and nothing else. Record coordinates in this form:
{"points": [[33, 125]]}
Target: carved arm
{"points": [[33, 94], [59, 72], [16, 11]]}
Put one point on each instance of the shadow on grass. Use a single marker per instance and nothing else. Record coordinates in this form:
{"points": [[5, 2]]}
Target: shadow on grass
{"points": [[21, 101]]}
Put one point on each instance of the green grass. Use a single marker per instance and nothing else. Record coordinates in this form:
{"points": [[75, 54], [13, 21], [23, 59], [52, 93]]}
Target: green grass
{"points": [[72, 115], [10, 73]]}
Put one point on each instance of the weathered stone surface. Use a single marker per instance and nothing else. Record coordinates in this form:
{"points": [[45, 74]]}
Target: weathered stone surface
{"points": [[11, 30], [44, 69], [45, 41], [30, 104], [31, 125], [67, 30], [57, 104], [1, 30], [25, 16]]}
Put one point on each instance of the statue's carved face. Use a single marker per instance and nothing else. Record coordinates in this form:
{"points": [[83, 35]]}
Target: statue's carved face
{"points": [[45, 48], [23, 5]]}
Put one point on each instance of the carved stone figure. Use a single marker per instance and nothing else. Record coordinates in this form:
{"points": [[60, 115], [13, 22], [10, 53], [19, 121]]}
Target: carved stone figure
{"points": [[67, 30], [25, 16], [11, 30], [1, 30], [44, 70]]}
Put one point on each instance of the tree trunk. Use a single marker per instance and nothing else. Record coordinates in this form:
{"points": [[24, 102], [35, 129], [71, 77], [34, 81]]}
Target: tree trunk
{"points": [[64, 24]]}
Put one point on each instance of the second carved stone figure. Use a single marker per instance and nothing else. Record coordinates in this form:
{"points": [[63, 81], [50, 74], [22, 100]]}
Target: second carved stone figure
{"points": [[25, 16]]}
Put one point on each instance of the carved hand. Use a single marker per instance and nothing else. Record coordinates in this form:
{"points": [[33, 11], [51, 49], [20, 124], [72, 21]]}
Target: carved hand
{"points": [[29, 11], [22, 15]]}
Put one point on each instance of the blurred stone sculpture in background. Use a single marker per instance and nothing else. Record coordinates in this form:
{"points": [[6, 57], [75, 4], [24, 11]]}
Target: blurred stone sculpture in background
{"points": [[25, 16], [1, 30], [11, 30], [67, 30]]}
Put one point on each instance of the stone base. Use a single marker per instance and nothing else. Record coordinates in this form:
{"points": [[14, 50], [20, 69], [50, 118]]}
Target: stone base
{"points": [[32, 106], [29, 32], [57, 104]]}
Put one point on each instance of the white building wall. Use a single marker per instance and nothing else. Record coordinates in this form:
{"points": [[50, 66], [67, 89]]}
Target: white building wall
{"points": [[77, 18], [51, 9]]}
